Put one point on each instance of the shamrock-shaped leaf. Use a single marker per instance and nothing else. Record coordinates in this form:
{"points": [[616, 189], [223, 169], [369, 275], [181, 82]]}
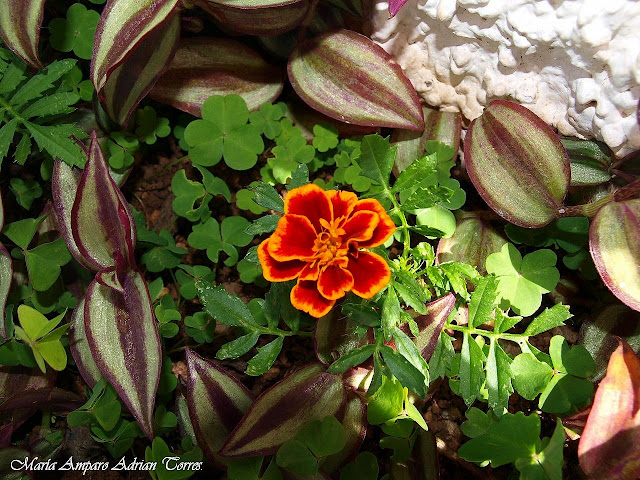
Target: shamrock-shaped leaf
{"points": [[187, 277], [168, 255], [215, 237], [44, 262], [191, 199], [149, 127], [267, 119], [167, 470], [522, 281], [223, 131], [245, 199], [43, 337], [364, 467], [326, 137], [76, 32], [26, 191], [200, 327], [289, 155], [122, 147]]}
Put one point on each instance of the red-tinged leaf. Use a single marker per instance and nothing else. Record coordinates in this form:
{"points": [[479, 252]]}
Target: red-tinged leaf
{"points": [[517, 163], [50, 399], [614, 242], [20, 22], [122, 26], [6, 274], [608, 448], [472, 242], [354, 422], [574, 425], [430, 325], [64, 185], [216, 402], [347, 76], [124, 342], [79, 346], [101, 221], [334, 336], [358, 378], [256, 17], [203, 67], [16, 379], [280, 412], [134, 78], [395, 6]]}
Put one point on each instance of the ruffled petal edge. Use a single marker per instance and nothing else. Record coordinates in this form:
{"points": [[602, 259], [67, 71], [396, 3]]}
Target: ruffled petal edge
{"points": [[385, 227], [370, 273], [275, 271], [306, 297]]}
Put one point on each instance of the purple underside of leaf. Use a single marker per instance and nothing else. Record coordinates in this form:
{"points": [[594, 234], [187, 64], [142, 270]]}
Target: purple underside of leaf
{"points": [[430, 325], [134, 78], [123, 24], [348, 77], [51, 399], [395, 6], [79, 347], [15, 379], [263, 21], [6, 275], [203, 67], [124, 342], [517, 163], [20, 22], [281, 411], [101, 221], [614, 243], [216, 402]]}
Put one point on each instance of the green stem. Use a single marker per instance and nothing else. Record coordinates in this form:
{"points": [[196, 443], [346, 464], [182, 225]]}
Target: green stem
{"points": [[512, 337], [404, 225], [586, 210], [6, 106], [45, 426]]}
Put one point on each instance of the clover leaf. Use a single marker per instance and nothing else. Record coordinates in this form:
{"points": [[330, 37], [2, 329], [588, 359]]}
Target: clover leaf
{"points": [[364, 467], [187, 277], [224, 132], [326, 137], [149, 126], [165, 256], [224, 237], [200, 327], [43, 337], [192, 198], [166, 313], [26, 191], [245, 199], [522, 281], [288, 155], [267, 119], [76, 32], [44, 262], [122, 147]]}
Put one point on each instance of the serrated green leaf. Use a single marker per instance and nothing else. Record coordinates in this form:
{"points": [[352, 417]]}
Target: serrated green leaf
{"points": [[376, 158], [471, 369], [266, 196], [41, 82], [238, 347], [352, 358], [266, 224], [498, 382], [56, 104], [416, 173], [408, 375], [51, 138], [265, 357], [483, 300], [6, 137], [442, 355], [225, 308], [548, 319]]}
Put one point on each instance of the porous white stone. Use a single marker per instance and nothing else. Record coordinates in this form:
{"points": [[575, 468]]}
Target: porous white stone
{"points": [[575, 63]]}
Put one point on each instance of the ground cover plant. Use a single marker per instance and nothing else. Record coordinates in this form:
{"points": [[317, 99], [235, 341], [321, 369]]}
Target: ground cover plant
{"points": [[257, 256]]}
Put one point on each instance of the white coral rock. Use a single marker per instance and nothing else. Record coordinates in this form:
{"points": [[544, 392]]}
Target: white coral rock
{"points": [[575, 63]]}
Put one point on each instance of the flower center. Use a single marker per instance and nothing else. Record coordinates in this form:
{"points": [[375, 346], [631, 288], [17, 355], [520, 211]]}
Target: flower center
{"points": [[328, 246]]}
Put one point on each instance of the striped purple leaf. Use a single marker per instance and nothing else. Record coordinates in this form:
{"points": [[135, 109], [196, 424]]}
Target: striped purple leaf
{"points": [[430, 325], [348, 77], [6, 275], [614, 242], [79, 346], [134, 42], [472, 242], [20, 22], [102, 224], [263, 18], [50, 399], [205, 66], [518, 164], [395, 6], [280, 412], [216, 403], [123, 339], [16, 379]]}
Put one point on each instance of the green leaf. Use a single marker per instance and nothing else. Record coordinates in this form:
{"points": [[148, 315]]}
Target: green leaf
{"points": [[238, 347], [390, 313], [548, 319], [323, 437], [76, 32], [477, 422], [266, 196], [426, 197], [415, 174], [547, 464], [386, 403], [498, 381], [352, 358], [224, 307], [575, 360], [376, 158], [26, 191], [265, 357], [510, 438], [471, 369], [54, 139], [442, 355], [483, 300], [6, 137], [266, 224], [21, 232], [295, 456], [56, 104], [214, 185], [42, 81], [245, 468], [44, 262], [403, 370], [365, 467], [325, 137], [530, 376]]}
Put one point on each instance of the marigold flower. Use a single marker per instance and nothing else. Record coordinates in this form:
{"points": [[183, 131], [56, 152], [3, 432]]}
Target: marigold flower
{"points": [[320, 241]]}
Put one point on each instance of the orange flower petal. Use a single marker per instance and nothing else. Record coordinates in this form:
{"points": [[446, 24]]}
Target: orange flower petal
{"points": [[310, 271], [311, 202], [305, 297], [360, 226], [385, 227], [343, 202], [294, 239], [370, 273], [275, 271], [334, 282]]}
